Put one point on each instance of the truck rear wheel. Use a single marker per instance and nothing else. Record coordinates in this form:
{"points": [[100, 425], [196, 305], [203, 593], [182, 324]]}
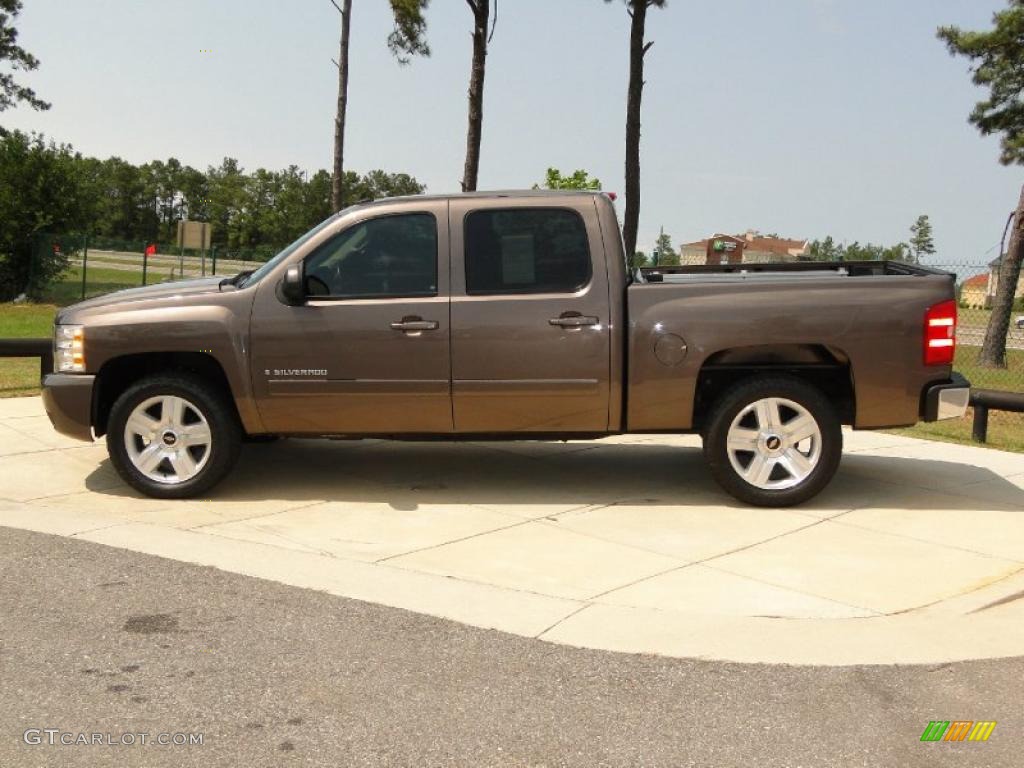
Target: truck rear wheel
{"points": [[773, 441], [172, 436]]}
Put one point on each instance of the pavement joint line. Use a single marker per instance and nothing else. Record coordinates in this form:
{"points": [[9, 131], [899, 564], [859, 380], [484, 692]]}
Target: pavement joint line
{"points": [[518, 523], [554, 524], [102, 528], [27, 453], [1001, 601], [255, 517], [929, 541], [877, 614], [596, 599], [552, 516], [796, 591], [465, 579], [983, 482], [583, 607], [31, 499], [971, 591], [306, 548], [708, 559]]}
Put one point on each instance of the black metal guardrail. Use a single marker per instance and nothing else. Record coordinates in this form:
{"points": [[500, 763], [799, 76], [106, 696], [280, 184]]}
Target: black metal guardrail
{"points": [[984, 400], [41, 348]]}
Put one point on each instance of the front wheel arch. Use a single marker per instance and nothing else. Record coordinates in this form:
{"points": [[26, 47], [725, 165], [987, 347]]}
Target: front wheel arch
{"points": [[119, 373]]}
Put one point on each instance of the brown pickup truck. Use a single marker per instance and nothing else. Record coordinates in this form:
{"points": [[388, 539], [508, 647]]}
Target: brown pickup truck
{"points": [[506, 316]]}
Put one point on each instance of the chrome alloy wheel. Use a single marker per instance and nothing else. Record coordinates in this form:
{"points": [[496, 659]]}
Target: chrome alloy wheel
{"points": [[774, 443], [168, 439]]}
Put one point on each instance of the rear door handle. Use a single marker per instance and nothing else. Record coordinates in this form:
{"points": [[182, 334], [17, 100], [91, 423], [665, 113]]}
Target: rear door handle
{"points": [[415, 325], [574, 321]]}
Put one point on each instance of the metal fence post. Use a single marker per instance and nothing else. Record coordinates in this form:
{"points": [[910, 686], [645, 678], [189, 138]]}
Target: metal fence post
{"points": [[145, 264], [213, 256], [85, 262], [979, 432]]}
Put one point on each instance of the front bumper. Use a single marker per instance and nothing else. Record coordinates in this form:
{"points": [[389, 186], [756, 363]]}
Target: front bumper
{"points": [[947, 400], [67, 399]]}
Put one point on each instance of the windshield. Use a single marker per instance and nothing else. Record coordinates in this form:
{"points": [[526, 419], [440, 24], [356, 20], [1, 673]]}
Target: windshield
{"points": [[258, 275]]}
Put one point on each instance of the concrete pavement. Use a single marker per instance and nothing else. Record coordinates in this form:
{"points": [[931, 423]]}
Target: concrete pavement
{"points": [[915, 553]]}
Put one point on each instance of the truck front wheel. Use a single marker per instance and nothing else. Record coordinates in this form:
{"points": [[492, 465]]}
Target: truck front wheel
{"points": [[773, 441], [172, 436]]}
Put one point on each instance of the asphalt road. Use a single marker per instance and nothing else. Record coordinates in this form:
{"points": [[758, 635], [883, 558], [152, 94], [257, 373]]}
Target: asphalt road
{"points": [[99, 640]]}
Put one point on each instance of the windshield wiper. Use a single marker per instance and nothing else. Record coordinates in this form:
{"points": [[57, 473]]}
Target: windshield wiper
{"points": [[237, 281]]}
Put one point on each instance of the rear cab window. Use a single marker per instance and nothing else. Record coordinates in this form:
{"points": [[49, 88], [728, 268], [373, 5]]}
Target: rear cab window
{"points": [[526, 250]]}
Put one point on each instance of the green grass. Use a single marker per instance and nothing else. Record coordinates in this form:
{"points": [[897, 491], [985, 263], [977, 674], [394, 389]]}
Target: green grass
{"points": [[98, 281], [1005, 430], [20, 376], [1010, 379]]}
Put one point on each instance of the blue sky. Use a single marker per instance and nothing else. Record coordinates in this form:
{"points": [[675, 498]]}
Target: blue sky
{"points": [[803, 117]]}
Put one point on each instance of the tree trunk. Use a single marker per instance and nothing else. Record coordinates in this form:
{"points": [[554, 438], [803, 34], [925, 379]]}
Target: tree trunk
{"points": [[337, 177], [637, 51], [481, 11], [993, 351]]}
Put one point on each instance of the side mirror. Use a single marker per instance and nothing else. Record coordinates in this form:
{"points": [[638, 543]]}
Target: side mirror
{"points": [[291, 290]]}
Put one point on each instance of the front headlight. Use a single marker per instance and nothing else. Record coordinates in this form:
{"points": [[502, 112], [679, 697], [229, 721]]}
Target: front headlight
{"points": [[69, 349]]}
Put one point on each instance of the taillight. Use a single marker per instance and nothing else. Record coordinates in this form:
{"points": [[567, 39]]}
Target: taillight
{"points": [[940, 334]]}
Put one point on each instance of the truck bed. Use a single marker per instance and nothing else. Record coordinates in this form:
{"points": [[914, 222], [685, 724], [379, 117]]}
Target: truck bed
{"points": [[862, 319]]}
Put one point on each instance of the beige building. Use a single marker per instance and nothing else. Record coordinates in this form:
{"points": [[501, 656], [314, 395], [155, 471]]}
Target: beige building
{"points": [[993, 283], [749, 248], [974, 292]]}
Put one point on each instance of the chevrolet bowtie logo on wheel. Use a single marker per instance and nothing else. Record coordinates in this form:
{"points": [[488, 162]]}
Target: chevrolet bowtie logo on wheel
{"points": [[958, 730]]}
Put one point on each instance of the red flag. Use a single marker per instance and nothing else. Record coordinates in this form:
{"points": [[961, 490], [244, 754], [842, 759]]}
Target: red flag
{"points": [[151, 249]]}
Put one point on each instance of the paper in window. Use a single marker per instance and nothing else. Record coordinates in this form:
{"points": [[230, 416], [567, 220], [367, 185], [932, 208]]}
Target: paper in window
{"points": [[518, 260]]}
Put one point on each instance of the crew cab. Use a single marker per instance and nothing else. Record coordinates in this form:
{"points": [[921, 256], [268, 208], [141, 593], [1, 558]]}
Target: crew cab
{"points": [[510, 316]]}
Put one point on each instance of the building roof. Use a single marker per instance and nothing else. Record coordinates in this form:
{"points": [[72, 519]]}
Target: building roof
{"points": [[778, 245], [775, 244], [978, 281]]}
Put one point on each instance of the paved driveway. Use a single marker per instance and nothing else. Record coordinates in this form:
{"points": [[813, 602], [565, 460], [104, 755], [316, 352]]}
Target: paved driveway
{"points": [[915, 554]]}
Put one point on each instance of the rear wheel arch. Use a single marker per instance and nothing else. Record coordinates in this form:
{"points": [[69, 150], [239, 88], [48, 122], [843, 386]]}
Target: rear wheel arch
{"points": [[118, 374], [824, 367]]}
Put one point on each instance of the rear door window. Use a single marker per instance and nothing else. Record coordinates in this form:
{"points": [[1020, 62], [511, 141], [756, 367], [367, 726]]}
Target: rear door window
{"points": [[526, 250]]}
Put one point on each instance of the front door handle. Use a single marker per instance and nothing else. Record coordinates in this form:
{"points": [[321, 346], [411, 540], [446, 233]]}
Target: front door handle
{"points": [[574, 321], [414, 324]]}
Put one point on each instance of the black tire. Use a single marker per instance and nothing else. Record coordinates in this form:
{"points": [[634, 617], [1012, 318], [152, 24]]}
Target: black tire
{"points": [[219, 412], [738, 398]]}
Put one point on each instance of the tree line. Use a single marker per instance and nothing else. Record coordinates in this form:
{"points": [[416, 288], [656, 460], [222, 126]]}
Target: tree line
{"points": [[49, 188]]}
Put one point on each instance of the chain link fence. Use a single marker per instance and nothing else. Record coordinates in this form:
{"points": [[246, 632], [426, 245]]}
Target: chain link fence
{"points": [[976, 286], [91, 265]]}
